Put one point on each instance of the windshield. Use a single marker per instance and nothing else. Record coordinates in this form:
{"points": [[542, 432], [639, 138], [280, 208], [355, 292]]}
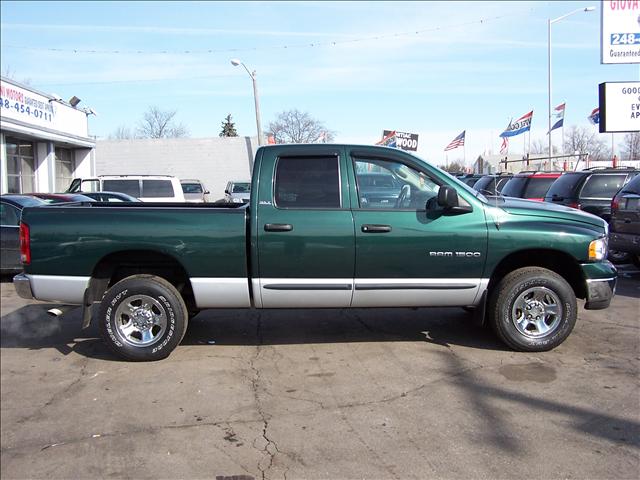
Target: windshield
{"points": [[191, 188], [241, 188]]}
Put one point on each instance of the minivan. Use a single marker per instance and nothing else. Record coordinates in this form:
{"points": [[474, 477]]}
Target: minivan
{"points": [[148, 188]]}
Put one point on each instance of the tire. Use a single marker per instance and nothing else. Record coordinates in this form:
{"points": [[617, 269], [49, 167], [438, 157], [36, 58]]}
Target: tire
{"points": [[549, 298], [142, 318], [635, 259], [619, 258]]}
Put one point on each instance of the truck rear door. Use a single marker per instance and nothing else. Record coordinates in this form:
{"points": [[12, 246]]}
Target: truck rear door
{"points": [[303, 229]]}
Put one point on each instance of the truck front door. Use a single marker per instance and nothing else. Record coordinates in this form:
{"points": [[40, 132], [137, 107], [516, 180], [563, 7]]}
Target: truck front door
{"points": [[303, 230], [406, 254]]}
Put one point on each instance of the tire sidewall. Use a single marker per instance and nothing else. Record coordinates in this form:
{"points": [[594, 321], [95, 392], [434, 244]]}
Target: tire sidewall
{"points": [[505, 306], [170, 301]]}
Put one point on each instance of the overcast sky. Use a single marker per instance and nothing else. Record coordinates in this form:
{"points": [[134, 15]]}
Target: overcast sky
{"points": [[429, 68]]}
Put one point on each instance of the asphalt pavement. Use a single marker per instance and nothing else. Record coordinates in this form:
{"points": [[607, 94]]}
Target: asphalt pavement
{"points": [[327, 394]]}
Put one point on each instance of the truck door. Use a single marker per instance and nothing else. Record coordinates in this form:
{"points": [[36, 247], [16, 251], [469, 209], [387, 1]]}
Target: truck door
{"points": [[406, 254], [303, 229]]}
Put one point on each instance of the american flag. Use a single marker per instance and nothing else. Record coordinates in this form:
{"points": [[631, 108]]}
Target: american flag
{"points": [[594, 118], [456, 142], [504, 149]]}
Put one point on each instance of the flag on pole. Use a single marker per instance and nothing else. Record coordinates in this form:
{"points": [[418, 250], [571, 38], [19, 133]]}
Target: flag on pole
{"points": [[594, 118], [559, 116], [521, 125], [456, 142], [504, 148]]}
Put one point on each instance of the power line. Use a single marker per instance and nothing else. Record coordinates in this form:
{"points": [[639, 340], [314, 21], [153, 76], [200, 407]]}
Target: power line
{"points": [[333, 43]]}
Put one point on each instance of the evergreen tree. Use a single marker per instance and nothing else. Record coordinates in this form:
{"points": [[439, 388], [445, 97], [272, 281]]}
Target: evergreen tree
{"points": [[228, 128]]}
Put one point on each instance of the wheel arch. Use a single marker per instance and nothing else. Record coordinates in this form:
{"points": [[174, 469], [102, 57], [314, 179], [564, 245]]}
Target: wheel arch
{"points": [[555, 260]]}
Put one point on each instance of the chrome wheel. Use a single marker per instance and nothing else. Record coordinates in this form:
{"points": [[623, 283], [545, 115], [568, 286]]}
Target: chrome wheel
{"points": [[140, 320], [537, 312]]}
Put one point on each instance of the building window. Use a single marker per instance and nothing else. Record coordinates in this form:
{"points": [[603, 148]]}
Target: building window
{"points": [[65, 166], [20, 166]]}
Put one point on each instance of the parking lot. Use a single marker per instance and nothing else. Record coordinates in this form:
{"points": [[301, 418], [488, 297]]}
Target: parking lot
{"points": [[388, 393]]}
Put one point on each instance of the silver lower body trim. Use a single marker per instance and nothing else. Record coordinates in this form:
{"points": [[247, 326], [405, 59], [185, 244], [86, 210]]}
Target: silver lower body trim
{"points": [[58, 288], [221, 292]]}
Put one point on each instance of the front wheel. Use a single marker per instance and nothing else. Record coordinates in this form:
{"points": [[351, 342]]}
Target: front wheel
{"points": [[142, 318], [533, 309]]}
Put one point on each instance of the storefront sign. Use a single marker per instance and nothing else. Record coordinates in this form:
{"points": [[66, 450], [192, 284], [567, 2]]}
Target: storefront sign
{"points": [[404, 141], [620, 31], [619, 106]]}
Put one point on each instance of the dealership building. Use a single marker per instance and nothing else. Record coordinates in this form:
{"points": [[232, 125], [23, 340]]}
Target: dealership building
{"points": [[44, 141]]}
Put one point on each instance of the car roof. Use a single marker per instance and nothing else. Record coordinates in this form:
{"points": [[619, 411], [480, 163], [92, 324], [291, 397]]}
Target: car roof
{"points": [[22, 200]]}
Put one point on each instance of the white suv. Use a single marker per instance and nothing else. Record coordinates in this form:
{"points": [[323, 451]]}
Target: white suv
{"points": [[148, 188]]}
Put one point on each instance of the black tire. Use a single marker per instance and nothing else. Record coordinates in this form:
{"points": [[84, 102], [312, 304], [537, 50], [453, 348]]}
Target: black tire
{"points": [[619, 258], [532, 291], [142, 318], [635, 259]]}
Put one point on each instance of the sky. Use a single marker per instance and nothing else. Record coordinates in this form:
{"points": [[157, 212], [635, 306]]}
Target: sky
{"points": [[430, 68]]}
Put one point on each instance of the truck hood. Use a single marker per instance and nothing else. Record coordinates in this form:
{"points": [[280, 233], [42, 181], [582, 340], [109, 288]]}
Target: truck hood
{"points": [[518, 206]]}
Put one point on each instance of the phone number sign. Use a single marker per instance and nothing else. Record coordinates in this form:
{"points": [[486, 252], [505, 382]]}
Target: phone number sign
{"points": [[620, 31]]}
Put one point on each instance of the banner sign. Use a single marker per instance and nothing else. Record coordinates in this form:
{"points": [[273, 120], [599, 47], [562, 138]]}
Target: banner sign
{"points": [[619, 31], [404, 141], [389, 139], [619, 107], [521, 125]]}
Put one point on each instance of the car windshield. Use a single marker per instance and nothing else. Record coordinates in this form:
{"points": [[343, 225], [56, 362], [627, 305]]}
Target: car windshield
{"points": [[191, 188], [241, 188]]}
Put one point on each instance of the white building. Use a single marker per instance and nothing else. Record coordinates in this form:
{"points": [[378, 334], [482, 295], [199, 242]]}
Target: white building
{"points": [[44, 141]]}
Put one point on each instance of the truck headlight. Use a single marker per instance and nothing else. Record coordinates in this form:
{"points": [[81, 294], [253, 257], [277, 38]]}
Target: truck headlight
{"points": [[598, 249]]}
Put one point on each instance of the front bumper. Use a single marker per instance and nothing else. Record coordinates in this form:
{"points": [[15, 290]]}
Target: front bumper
{"points": [[601, 279], [22, 285]]}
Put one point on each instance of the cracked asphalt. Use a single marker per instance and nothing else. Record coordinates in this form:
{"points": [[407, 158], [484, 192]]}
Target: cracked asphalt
{"points": [[327, 394]]}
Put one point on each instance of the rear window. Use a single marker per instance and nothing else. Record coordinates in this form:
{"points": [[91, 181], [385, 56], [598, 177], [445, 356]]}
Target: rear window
{"points": [[241, 188], [565, 186], [307, 182], [130, 187], [603, 186], [157, 189], [538, 186], [515, 187], [633, 186], [486, 185]]}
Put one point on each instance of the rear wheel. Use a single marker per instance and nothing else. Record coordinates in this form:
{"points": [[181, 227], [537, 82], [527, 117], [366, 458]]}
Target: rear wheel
{"points": [[533, 309], [142, 318]]}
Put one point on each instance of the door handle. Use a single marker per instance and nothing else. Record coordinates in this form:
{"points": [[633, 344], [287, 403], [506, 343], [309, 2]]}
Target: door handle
{"points": [[375, 228], [277, 227]]}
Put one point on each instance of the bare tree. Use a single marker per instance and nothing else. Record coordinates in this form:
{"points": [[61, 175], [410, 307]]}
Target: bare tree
{"points": [[122, 132], [157, 123], [540, 147], [10, 72], [584, 140], [630, 146], [294, 126]]}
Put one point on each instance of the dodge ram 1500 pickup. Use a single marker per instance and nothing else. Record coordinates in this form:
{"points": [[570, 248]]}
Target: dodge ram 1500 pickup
{"points": [[309, 238]]}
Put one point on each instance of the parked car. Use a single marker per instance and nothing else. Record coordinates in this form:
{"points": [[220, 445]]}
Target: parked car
{"points": [[492, 185], [378, 189], [530, 185], [61, 197], [624, 226], [194, 191], [148, 188], [111, 197], [590, 190], [470, 178], [237, 192], [10, 213]]}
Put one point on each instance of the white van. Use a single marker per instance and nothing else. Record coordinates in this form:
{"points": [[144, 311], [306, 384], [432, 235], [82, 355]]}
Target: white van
{"points": [[148, 188]]}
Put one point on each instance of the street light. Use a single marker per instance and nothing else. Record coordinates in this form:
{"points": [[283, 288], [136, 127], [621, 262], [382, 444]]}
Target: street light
{"points": [[235, 62], [551, 22]]}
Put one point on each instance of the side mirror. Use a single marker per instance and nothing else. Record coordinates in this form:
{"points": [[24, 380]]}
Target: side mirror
{"points": [[207, 192], [227, 191], [447, 197]]}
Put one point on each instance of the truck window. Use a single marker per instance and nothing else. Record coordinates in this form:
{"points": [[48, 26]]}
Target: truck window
{"points": [[130, 187], [157, 188], [307, 182]]}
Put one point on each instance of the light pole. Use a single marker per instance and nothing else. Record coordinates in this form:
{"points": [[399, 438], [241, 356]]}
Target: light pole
{"points": [[235, 62], [551, 22]]}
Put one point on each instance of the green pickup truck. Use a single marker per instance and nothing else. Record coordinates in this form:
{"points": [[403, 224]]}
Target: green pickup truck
{"points": [[311, 237]]}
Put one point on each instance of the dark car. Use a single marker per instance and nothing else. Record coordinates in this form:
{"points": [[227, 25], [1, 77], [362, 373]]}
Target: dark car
{"points": [[492, 185], [470, 179], [624, 226], [10, 212], [62, 197], [530, 185], [590, 190], [110, 197], [378, 189]]}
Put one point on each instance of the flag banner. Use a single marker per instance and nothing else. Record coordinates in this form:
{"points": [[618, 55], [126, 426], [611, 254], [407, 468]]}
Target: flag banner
{"points": [[594, 118], [388, 140], [456, 142], [558, 115], [521, 125], [504, 148]]}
